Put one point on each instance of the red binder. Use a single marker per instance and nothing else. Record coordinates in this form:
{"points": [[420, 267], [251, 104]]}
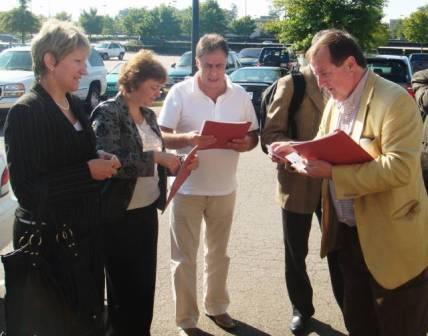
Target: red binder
{"points": [[182, 175], [224, 132], [337, 148]]}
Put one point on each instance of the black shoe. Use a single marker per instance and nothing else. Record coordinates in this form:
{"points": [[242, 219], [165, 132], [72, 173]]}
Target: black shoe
{"points": [[298, 323]]}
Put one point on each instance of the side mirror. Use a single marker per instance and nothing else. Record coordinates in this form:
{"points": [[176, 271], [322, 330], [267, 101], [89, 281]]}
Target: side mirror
{"points": [[173, 65]]}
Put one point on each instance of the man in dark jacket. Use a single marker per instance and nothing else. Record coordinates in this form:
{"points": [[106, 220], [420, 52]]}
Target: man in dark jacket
{"points": [[420, 87]]}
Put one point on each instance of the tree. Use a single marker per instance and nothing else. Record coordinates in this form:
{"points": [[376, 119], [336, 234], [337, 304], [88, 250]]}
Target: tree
{"points": [[415, 27], [20, 20], [304, 18], [396, 30], [130, 20], [91, 22], [110, 26], [243, 26], [212, 19], [63, 16], [168, 22]]}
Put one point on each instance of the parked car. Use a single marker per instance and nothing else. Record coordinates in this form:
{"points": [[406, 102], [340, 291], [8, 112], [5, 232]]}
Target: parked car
{"points": [[418, 61], [249, 56], [395, 68], [278, 57], [17, 77], [255, 80], [108, 50], [112, 82], [112, 78], [183, 68]]}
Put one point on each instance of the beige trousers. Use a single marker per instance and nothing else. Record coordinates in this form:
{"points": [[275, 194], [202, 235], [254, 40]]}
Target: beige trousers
{"points": [[186, 218]]}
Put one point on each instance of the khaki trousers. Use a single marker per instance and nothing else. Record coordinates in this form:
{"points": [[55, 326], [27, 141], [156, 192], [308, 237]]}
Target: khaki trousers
{"points": [[186, 218]]}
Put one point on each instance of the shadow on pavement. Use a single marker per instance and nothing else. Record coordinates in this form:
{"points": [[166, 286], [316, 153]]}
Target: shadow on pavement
{"points": [[243, 329], [319, 328]]}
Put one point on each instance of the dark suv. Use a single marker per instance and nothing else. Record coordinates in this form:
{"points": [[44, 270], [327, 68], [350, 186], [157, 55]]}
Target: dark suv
{"points": [[418, 61], [276, 56]]}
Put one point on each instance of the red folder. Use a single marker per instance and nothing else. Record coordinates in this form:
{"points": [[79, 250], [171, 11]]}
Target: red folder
{"points": [[337, 148], [182, 175], [224, 132]]}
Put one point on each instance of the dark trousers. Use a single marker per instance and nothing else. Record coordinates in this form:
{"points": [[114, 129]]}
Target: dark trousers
{"points": [[371, 310], [296, 236], [131, 248]]}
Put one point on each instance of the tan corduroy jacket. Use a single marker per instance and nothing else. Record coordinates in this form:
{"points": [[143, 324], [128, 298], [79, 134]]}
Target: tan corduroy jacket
{"points": [[390, 201]]}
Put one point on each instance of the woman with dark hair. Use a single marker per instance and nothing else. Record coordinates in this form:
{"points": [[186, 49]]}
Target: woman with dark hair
{"points": [[55, 173], [126, 127]]}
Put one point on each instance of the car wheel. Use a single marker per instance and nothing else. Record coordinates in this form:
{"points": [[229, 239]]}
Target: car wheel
{"points": [[121, 56], [93, 98], [105, 57]]}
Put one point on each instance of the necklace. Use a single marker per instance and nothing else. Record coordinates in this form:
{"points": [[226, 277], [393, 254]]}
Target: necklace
{"points": [[62, 107]]}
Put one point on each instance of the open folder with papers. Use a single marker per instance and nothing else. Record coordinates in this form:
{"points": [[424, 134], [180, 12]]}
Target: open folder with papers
{"points": [[224, 132], [337, 148]]}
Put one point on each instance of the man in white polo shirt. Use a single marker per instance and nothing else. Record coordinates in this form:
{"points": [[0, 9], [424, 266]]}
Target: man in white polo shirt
{"points": [[209, 192]]}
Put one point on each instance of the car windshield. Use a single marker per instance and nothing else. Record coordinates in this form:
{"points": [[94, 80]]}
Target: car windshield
{"points": [[252, 53], [16, 60], [116, 69], [419, 65], [280, 54], [393, 70], [102, 45], [255, 75], [185, 60]]}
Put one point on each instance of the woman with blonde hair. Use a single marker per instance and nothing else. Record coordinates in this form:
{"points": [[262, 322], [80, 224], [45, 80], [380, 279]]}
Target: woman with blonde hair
{"points": [[55, 172], [127, 127]]}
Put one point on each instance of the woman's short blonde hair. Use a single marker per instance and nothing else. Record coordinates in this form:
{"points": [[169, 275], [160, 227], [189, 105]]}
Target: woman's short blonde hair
{"points": [[59, 38], [141, 67]]}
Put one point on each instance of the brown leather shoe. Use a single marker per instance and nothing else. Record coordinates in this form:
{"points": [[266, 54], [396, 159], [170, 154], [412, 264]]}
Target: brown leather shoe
{"points": [[223, 320]]}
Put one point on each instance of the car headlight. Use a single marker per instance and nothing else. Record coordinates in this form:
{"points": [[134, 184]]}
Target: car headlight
{"points": [[13, 90]]}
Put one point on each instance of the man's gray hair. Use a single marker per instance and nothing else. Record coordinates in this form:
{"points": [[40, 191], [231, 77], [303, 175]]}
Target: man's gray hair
{"points": [[209, 43], [59, 38]]}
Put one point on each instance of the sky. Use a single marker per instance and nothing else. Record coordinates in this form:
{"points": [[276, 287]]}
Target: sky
{"points": [[394, 10]]}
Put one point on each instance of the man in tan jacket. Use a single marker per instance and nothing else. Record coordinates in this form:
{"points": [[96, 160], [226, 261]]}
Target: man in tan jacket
{"points": [[375, 212], [298, 195]]}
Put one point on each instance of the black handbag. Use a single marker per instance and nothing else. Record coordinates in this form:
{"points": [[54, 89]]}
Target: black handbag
{"points": [[36, 303]]}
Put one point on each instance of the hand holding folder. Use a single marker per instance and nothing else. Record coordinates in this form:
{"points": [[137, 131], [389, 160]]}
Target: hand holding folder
{"points": [[224, 132], [336, 148]]}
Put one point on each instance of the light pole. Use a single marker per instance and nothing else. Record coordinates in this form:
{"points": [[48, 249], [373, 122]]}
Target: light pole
{"points": [[195, 32]]}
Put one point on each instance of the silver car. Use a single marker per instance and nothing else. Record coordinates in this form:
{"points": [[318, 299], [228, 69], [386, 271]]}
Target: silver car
{"points": [[17, 78]]}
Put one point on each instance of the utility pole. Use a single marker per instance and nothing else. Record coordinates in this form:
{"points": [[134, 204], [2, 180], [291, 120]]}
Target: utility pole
{"points": [[195, 32]]}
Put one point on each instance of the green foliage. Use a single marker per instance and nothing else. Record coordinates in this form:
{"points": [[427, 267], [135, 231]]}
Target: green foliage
{"points": [[212, 18], [243, 26], [63, 16], [110, 26], [91, 22], [415, 27], [19, 21], [304, 18], [396, 31], [168, 23]]}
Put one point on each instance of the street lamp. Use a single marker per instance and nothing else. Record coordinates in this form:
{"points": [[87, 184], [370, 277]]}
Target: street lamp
{"points": [[195, 32]]}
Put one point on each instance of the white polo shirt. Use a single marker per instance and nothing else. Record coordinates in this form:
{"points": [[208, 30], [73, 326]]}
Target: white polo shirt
{"points": [[185, 109]]}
